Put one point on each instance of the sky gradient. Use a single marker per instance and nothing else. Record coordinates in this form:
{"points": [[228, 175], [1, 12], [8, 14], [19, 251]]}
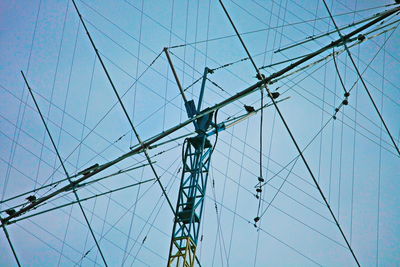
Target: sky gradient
{"points": [[352, 156]]}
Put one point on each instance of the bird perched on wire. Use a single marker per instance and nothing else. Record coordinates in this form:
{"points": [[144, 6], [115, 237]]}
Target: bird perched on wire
{"points": [[275, 95], [249, 109], [31, 198], [10, 212]]}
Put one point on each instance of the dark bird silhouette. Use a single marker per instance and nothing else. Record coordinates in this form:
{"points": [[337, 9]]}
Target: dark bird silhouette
{"points": [[249, 109], [31, 198], [10, 212], [275, 95]]}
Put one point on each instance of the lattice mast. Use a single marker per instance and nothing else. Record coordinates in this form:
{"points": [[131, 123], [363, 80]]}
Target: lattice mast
{"points": [[196, 160]]}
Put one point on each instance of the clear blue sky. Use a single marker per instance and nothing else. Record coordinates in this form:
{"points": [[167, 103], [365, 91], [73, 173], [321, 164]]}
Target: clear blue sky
{"points": [[353, 158]]}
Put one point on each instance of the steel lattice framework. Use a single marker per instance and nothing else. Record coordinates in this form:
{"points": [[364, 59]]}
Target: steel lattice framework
{"points": [[189, 208], [196, 155]]}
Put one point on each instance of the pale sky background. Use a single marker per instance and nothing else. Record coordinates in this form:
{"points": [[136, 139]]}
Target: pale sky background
{"points": [[353, 158]]}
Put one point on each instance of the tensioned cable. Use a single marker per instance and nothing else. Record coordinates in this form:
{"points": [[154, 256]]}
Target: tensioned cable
{"points": [[292, 137], [219, 228], [378, 219], [135, 203], [322, 120], [205, 63], [121, 103], [55, 237], [354, 140], [223, 190], [117, 203], [98, 123], [321, 35], [168, 69], [338, 72], [259, 187], [294, 163], [178, 37], [238, 187], [297, 220], [124, 109], [112, 143], [10, 243], [292, 14], [271, 235], [381, 47], [302, 223], [127, 210], [54, 183], [362, 81], [184, 53], [115, 103], [17, 130], [65, 170], [86, 109], [354, 158], [133, 119], [78, 186], [195, 39], [241, 7], [368, 64], [297, 83], [284, 167], [247, 58], [71, 67], [287, 213], [169, 186], [277, 175], [359, 132], [254, 148], [285, 61], [117, 26], [322, 59], [276, 27], [343, 104], [47, 244], [105, 115], [81, 200], [52, 88], [79, 150], [332, 140]]}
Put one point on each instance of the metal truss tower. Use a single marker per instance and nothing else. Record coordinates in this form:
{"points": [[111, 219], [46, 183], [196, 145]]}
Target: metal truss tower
{"points": [[196, 158], [189, 208]]}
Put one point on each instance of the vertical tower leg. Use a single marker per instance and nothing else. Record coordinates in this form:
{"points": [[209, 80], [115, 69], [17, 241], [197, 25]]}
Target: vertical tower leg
{"points": [[189, 208]]}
